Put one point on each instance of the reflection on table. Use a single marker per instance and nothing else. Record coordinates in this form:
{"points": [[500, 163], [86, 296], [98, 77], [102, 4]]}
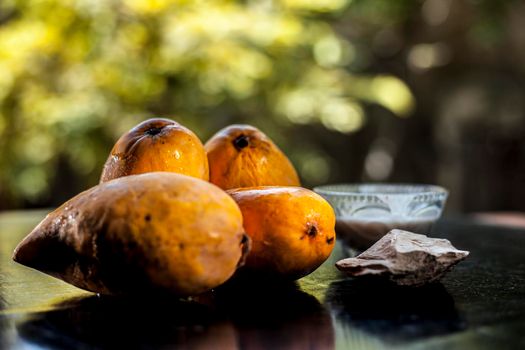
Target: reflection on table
{"points": [[479, 304]]}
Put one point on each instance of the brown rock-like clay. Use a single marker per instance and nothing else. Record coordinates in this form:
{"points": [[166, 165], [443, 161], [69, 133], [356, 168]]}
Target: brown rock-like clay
{"points": [[406, 258], [155, 231]]}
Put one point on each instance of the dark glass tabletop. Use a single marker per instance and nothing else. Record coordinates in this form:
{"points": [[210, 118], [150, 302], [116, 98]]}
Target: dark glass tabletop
{"points": [[480, 305]]}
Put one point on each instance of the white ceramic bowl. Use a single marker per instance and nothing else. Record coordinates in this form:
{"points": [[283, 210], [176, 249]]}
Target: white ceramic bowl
{"points": [[366, 212]]}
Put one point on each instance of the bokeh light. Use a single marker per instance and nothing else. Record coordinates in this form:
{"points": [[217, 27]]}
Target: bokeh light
{"points": [[324, 78]]}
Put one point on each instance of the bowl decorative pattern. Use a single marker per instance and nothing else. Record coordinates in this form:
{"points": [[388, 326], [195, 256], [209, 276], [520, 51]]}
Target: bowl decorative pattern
{"points": [[366, 212]]}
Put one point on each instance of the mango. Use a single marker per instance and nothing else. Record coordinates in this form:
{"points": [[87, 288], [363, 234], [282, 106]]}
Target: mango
{"points": [[158, 231], [157, 145], [243, 156], [292, 230]]}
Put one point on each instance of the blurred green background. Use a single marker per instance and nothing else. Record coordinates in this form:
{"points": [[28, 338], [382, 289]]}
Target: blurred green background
{"points": [[365, 90]]}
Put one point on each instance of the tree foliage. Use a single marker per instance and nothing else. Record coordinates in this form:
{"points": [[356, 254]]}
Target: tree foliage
{"points": [[75, 74]]}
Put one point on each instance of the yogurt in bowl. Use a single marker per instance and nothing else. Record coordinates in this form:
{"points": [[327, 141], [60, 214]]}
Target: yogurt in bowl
{"points": [[366, 212]]}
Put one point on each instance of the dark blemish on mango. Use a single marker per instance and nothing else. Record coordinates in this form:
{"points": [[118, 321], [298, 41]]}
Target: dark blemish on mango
{"points": [[312, 231], [240, 142], [153, 131], [147, 217], [330, 240]]}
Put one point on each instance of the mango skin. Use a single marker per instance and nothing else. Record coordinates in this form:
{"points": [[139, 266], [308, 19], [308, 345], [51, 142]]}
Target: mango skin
{"points": [[157, 145], [155, 231], [242, 156], [292, 230]]}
